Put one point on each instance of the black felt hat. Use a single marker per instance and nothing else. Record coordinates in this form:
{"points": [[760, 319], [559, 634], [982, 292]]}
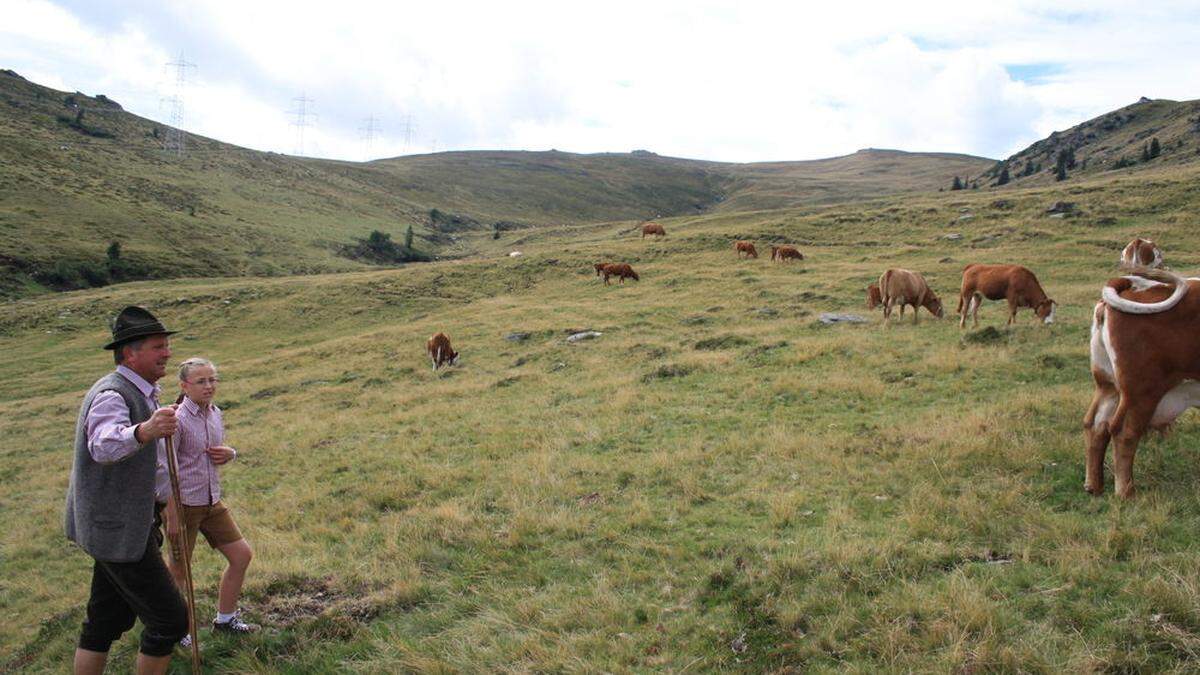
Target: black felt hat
{"points": [[134, 323]]}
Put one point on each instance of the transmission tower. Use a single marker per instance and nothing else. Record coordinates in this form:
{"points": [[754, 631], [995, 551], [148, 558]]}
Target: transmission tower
{"points": [[369, 130], [409, 128], [173, 140], [302, 114]]}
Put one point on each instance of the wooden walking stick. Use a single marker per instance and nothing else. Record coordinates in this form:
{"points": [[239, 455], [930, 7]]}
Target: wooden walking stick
{"points": [[183, 557]]}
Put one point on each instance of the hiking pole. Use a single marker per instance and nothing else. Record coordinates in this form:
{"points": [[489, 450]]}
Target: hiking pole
{"points": [[184, 558]]}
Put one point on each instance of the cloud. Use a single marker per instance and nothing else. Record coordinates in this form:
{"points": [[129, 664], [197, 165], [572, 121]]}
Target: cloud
{"points": [[713, 80]]}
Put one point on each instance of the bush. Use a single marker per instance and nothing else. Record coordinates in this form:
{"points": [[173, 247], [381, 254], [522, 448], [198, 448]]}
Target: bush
{"points": [[1003, 180], [379, 248]]}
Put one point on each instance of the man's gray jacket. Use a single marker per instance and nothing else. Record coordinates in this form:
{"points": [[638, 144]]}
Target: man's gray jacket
{"points": [[110, 507]]}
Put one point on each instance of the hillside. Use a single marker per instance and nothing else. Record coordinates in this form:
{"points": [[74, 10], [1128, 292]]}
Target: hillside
{"points": [[717, 483], [78, 172], [1118, 140]]}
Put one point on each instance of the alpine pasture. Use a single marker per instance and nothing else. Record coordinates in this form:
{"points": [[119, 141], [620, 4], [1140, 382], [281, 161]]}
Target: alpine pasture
{"points": [[717, 482]]}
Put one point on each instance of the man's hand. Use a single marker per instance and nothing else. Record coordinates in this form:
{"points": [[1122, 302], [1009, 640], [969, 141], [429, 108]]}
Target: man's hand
{"points": [[160, 425], [220, 454]]}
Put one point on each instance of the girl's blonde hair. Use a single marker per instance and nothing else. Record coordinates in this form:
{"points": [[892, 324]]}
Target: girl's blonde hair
{"points": [[186, 367]]}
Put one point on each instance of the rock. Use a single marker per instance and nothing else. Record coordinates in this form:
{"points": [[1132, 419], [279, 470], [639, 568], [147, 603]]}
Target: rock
{"points": [[1002, 204], [1058, 215], [829, 318], [517, 337], [1061, 207], [558, 366], [1106, 220], [946, 260], [766, 311], [515, 254], [966, 216], [953, 236], [585, 335], [739, 644]]}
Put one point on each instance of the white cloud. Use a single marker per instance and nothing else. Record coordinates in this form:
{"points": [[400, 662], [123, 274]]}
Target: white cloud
{"points": [[714, 80]]}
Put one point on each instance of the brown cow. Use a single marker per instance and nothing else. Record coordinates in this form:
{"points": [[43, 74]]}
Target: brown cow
{"points": [[905, 287], [785, 252], [653, 228], [745, 247], [1011, 282], [620, 270], [1145, 355], [440, 352], [1141, 253]]}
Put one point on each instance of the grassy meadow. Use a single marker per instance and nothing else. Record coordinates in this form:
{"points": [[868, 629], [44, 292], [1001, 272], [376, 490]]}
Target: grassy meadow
{"points": [[717, 482]]}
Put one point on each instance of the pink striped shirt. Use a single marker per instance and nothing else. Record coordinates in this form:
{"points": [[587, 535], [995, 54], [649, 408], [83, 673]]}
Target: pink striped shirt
{"points": [[199, 429], [109, 429]]}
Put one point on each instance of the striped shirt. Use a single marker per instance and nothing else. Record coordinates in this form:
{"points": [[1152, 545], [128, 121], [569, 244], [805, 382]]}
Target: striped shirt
{"points": [[109, 431], [199, 429]]}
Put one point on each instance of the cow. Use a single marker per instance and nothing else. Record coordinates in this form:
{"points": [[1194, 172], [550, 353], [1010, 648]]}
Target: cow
{"points": [[620, 270], [1145, 357], [440, 352], [785, 252], [600, 267], [653, 228], [905, 287], [1011, 282], [1141, 253], [745, 247]]}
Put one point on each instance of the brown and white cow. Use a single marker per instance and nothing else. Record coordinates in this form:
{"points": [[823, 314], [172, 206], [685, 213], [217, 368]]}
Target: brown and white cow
{"points": [[440, 352], [905, 287], [1009, 282], [745, 247], [653, 228], [1145, 355], [785, 252], [1141, 253], [621, 270]]}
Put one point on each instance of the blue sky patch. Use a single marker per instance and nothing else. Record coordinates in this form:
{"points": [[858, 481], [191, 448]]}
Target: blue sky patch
{"points": [[1033, 73]]}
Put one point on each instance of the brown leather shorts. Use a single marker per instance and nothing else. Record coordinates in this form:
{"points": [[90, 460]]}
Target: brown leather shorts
{"points": [[214, 522]]}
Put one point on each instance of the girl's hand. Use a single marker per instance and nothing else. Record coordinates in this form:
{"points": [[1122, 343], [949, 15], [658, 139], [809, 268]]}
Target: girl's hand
{"points": [[221, 454]]}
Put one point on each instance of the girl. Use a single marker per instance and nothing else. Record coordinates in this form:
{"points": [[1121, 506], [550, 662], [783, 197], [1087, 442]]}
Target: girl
{"points": [[199, 449]]}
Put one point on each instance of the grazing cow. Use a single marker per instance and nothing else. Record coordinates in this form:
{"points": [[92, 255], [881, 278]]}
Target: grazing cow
{"points": [[1145, 355], [745, 247], [1011, 282], [620, 270], [785, 252], [653, 228], [1141, 253], [905, 287], [440, 352]]}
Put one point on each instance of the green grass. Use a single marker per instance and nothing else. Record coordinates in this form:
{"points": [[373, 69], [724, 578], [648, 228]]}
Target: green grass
{"points": [[839, 497]]}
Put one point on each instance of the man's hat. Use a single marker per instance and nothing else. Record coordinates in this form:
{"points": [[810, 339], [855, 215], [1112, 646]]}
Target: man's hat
{"points": [[133, 323]]}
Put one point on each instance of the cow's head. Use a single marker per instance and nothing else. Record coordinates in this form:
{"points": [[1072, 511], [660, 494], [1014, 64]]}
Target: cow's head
{"points": [[1045, 310], [934, 304], [634, 275], [874, 297], [453, 358], [599, 268]]}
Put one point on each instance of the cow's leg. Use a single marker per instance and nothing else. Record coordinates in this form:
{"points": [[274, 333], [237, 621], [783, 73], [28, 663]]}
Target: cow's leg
{"points": [[976, 301], [1012, 311], [436, 357], [917, 307], [1096, 435], [1128, 425]]}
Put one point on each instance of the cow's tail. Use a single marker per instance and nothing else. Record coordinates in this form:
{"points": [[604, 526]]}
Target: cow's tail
{"points": [[1113, 299], [883, 286]]}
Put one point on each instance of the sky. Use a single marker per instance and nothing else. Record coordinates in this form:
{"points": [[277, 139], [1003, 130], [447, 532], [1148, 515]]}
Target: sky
{"points": [[729, 81]]}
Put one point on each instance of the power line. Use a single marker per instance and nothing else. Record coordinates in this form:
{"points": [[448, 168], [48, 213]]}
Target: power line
{"points": [[409, 128], [369, 129], [173, 140], [302, 114]]}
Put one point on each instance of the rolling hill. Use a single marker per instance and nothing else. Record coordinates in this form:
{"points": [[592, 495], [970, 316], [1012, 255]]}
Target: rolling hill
{"points": [[1118, 140], [78, 172]]}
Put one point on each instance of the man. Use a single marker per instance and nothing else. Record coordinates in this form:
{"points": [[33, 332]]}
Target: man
{"points": [[110, 501]]}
